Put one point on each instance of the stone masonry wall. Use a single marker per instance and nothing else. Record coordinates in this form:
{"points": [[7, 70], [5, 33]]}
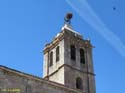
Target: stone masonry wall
{"points": [[12, 81]]}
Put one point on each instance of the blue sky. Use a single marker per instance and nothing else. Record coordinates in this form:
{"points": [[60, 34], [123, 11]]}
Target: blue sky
{"points": [[26, 25]]}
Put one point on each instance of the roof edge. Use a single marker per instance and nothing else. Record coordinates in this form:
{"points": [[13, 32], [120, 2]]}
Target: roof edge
{"points": [[33, 77]]}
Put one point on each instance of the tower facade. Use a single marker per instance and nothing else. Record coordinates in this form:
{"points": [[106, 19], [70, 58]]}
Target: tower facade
{"points": [[68, 60]]}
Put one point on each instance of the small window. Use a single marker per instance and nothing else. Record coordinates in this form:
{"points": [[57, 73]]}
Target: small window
{"points": [[82, 56], [79, 83], [51, 59], [57, 54], [73, 52]]}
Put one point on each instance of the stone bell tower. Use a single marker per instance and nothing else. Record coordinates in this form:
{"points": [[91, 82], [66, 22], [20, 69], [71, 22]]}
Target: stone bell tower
{"points": [[68, 59]]}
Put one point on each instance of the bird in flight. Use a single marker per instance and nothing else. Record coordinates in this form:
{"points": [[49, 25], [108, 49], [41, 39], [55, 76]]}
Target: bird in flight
{"points": [[114, 8]]}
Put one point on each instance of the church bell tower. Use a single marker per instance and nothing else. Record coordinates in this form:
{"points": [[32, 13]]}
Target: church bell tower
{"points": [[68, 59]]}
